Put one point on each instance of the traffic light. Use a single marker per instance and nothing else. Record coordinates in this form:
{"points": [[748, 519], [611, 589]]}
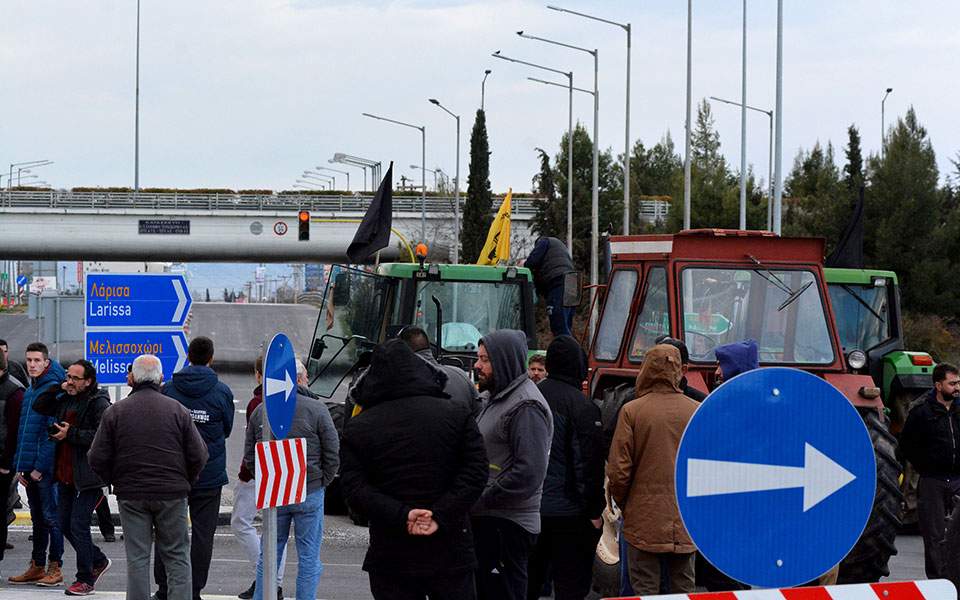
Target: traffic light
{"points": [[304, 222]]}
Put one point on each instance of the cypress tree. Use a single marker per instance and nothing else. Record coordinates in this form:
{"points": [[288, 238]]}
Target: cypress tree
{"points": [[477, 214]]}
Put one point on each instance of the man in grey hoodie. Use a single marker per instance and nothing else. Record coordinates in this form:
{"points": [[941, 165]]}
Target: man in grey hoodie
{"points": [[458, 385], [517, 429]]}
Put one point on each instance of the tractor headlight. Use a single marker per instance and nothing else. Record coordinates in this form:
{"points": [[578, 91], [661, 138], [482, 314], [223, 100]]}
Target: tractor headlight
{"points": [[857, 360]]}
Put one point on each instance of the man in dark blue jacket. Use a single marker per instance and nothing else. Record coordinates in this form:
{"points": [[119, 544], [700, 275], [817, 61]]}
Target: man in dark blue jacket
{"points": [[550, 261], [210, 403], [34, 464]]}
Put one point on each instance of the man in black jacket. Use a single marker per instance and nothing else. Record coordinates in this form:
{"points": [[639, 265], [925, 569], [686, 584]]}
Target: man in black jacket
{"points": [[77, 407], [573, 499], [550, 261], [930, 440], [414, 463]]}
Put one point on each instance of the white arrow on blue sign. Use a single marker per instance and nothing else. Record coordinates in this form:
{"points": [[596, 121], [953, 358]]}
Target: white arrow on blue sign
{"points": [[21, 280], [279, 385], [111, 351], [776, 477], [136, 300]]}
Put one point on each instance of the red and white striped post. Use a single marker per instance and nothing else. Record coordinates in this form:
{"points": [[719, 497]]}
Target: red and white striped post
{"points": [[933, 589]]}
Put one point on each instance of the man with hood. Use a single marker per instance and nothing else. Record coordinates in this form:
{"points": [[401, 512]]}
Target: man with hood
{"points": [[573, 499], [517, 430], [210, 403], [77, 409], [736, 358], [34, 464], [458, 385], [641, 468], [414, 463]]}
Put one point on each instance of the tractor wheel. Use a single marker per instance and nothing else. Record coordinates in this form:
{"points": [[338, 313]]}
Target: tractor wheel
{"points": [[867, 562]]}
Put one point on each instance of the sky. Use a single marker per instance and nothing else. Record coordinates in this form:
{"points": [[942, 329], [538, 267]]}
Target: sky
{"points": [[248, 94]]}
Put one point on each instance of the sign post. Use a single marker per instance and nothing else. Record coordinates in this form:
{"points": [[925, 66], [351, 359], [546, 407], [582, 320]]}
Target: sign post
{"points": [[776, 477]]}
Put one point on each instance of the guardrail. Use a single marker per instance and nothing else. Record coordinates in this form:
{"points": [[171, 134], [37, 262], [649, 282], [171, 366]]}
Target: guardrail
{"points": [[175, 201]]}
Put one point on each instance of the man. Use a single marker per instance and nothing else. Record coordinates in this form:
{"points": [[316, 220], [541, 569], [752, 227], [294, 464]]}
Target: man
{"points": [[311, 421], [14, 369], [458, 385], [573, 498], [34, 464], [11, 399], [210, 403], [930, 440], [245, 496], [149, 450], [640, 469], [537, 368], [414, 463], [517, 428], [736, 358], [688, 391], [550, 261], [77, 407]]}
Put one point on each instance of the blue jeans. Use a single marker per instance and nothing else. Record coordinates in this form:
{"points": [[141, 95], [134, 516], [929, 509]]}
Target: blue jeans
{"points": [[42, 496], [307, 519], [561, 318], [76, 514]]}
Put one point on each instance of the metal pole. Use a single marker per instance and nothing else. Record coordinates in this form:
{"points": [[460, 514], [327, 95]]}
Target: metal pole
{"points": [[770, 176], [423, 184], [743, 126], [778, 183], [456, 202], [136, 125], [570, 167], [686, 159], [626, 148], [269, 534], [883, 127], [595, 199]]}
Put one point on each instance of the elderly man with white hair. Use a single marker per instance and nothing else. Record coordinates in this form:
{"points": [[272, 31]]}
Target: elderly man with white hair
{"points": [[149, 450]]}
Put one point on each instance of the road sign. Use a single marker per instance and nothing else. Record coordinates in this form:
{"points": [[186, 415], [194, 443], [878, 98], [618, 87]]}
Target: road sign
{"points": [[933, 589], [776, 477], [280, 384], [38, 284], [111, 351], [21, 280], [281, 472], [136, 300]]}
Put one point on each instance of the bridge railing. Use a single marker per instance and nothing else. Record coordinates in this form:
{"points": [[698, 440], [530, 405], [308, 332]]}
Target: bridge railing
{"points": [[176, 201]]}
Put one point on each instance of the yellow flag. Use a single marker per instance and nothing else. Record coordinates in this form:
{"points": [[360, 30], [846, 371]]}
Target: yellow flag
{"points": [[497, 247]]}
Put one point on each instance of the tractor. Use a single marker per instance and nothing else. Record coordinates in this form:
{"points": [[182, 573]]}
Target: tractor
{"points": [[712, 287]]}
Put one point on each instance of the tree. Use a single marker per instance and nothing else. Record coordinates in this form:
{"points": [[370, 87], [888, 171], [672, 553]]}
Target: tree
{"points": [[853, 170], [816, 206], [551, 216], [655, 172], [477, 214], [208, 295]]}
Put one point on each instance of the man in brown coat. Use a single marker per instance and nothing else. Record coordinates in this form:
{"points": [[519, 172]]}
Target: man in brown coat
{"points": [[641, 468]]}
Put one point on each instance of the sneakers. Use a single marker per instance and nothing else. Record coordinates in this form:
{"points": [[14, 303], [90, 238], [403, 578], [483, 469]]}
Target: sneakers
{"points": [[53, 577], [79, 589], [32, 574], [98, 571]]}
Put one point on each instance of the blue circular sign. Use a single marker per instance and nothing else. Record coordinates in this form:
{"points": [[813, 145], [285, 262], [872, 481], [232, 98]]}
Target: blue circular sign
{"points": [[21, 280], [280, 385], [776, 477]]}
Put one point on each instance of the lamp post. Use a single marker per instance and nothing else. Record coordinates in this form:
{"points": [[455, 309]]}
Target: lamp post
{"points": [[136, 118], [595, 188], [769, 114], [31, 164], [364, 163], [483, 86], [883, 127], [313, 183], [743, 125], [423, 173], [686, 152], [347, 173], [434, 171], [569, 76], [778, 140], [326, 178], [626, 129], [456, 180]]}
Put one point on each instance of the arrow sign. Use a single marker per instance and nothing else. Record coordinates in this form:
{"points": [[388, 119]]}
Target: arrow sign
{"points": [[136, 300], [279, 390], [21, 280], [112, 351], [819, 477]]}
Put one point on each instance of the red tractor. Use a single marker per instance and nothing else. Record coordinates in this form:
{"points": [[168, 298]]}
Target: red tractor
{"points": [[713, 287]]}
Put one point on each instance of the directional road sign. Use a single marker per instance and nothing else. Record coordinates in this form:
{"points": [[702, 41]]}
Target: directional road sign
{"points": [[22, 280], [280, 384], [136, 300], [111, 351], [776, 477]]}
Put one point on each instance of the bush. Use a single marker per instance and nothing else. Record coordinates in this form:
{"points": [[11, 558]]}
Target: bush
{"points": [[933, 334]]}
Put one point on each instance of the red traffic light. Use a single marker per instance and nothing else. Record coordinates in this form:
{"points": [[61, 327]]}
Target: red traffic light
{"points": [[304, 220]]}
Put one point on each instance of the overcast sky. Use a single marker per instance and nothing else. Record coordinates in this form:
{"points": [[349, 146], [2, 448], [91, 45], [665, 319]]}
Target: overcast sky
{"points": [[249, 93]]}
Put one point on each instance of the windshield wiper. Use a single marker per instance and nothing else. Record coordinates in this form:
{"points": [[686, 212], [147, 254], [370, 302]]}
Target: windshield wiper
{"points": [[794, 296], [859, 299], [770, 276]]}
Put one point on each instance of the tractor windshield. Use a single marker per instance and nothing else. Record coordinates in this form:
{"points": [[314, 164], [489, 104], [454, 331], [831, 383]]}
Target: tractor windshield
{"points": [[862, 316], [471, 309], [781, 309]]}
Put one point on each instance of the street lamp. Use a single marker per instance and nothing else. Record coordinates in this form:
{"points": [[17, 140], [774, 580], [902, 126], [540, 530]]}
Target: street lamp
{"points": [[569, 76], [778, 139], [456, 182], [347, 173], [434, 171], [313, 183], [595, 191], [686, 144], [883, 128], [423, 172], [25, 165], [327, 178], [361, 162], [626, 130], [769, 114], [483, 86]]}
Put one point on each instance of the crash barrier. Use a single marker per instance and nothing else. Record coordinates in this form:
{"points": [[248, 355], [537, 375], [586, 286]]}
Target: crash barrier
{"points": [[933, 589]]}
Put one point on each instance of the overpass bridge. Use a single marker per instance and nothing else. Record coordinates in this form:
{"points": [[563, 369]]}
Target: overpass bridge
{"points": [[67, 225]]}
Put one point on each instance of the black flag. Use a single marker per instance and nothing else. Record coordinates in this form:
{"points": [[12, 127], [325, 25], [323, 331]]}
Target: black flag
{"points": [[374, 231], [849, 250]]}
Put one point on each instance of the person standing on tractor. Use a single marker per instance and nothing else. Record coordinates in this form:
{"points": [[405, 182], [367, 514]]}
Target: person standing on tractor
{"points": [[550, 261], [641, 467], [930, 440]]}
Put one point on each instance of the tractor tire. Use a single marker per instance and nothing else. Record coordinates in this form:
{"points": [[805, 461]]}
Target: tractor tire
{"points": [[867, 561]]}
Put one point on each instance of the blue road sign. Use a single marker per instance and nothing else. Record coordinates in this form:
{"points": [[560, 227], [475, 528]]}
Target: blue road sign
{"points": [[776, 477], [112, 351], [280, 385], [136, 300], [21, 280]]}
